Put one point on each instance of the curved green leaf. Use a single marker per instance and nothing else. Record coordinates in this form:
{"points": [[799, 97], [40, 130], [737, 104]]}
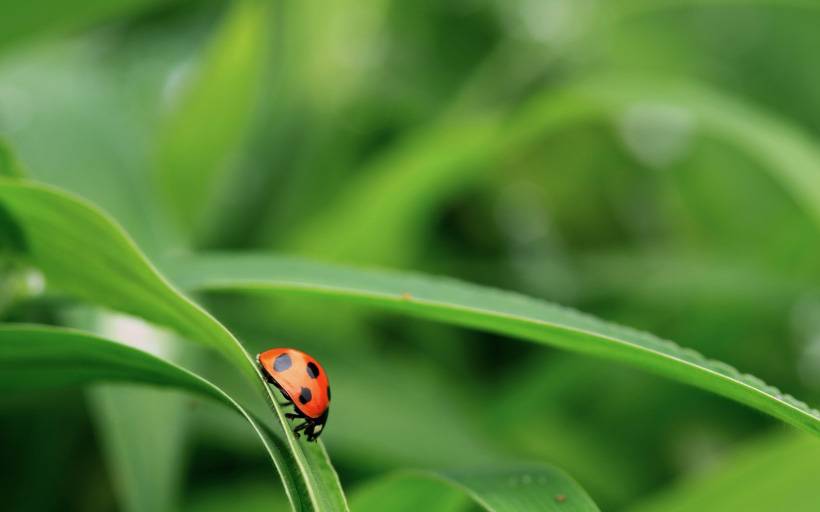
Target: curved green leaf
{"points": [[777, 472], [215, 111], [26, 19], [38, 357], [790, 155], [541, 488], [496, 311], [82, 251], [422, 171]]}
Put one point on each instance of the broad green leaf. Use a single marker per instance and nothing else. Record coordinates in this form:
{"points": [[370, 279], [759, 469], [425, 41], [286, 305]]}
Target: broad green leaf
{"points": [[38, 357], [376, 213], [492, 310], [398, 192], [97, 127], [21, 20], [82, 251], [247, 496], [790, 155], [775, 473], [215, 110], [541, 488], [129, 418]]}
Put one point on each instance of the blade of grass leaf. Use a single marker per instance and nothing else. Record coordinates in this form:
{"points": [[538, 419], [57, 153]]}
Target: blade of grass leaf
{"points": [[129, 418], [463, 151], [402, 188], [40, 357], [496, 311], [83, 252], [541, 487], [26, 19], [789, 154], [778, 472], [212, 117]]}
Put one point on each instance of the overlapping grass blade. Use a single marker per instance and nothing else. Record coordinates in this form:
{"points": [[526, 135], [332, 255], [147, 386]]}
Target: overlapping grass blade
{"points": [[82, 251], [215, 111], [423, 171], [777, 472], [38, 357], [492, 310], [542, 488]]}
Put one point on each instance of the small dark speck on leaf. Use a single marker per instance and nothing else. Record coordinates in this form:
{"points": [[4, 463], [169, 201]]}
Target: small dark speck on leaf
{"points": [[560, 498]]}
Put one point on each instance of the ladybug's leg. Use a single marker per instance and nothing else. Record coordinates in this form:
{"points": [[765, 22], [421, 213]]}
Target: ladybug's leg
{"points": [[311, 433], [300, 427], [292, 415]]}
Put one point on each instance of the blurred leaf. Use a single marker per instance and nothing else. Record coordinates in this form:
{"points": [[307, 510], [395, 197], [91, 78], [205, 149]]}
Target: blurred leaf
{"points": [[37, 357], [789, 154], [8, 163], [129, 419], [215, 110], [495, 311], [247, 496], [541, 488], [24, 19], [82, 251], [408, 492], [98, 131], [398, 192], [776, 473], [373, 218]]}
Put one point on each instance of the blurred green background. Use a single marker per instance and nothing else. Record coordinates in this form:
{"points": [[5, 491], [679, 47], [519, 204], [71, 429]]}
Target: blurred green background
{"points": [[654, 163]]}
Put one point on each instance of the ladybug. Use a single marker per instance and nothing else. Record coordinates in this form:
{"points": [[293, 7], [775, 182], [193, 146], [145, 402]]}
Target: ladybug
{"points": [[303, 382]]}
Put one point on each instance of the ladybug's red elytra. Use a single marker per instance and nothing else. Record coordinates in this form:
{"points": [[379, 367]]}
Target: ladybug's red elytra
{"points": [[303, 382]]}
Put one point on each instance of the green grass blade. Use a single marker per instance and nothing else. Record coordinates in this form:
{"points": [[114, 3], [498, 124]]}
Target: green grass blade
{"points": [[496, 311], [129, 418], [211, 119], [82, 251], [775, 473], [39, 357], [26, 19], [541, 488], [393, 197], [789, 154]]}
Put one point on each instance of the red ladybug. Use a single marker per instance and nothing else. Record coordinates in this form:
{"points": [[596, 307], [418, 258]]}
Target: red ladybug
{"points": [[303, 382]]}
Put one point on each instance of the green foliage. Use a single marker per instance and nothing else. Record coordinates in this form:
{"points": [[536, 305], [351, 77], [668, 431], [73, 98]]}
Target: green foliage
{"points": [[651, 163], [62, 232], [227, 85], [494, 311], [535, 488], [777, 472]]}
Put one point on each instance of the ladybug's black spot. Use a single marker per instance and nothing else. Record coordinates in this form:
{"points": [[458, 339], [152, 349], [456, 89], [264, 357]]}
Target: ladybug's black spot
{"points": [[312, 370], [282, 362], [328, 393], [304, 396]]}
